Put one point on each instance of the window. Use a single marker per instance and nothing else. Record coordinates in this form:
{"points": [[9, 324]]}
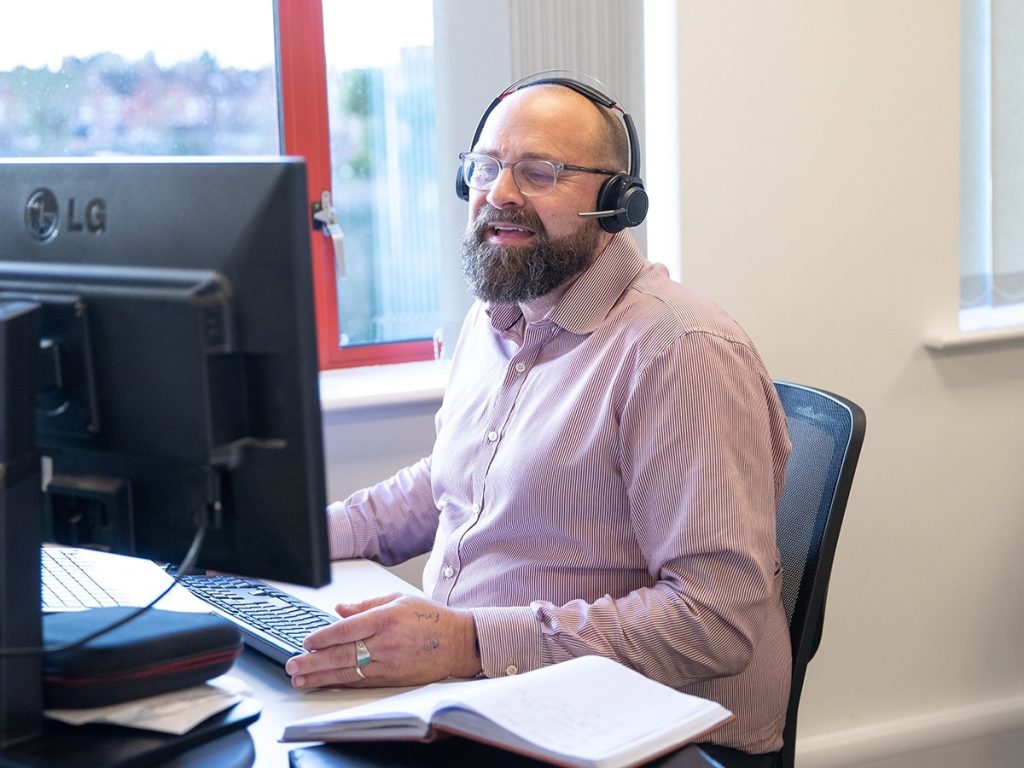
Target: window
{"points": [[992, 230], [160, 83], [379, 98], [357, 105]]}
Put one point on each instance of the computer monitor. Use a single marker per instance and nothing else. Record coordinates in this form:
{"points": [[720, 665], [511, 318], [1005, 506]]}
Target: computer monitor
{"points": [[158, 376], [177, 363]]}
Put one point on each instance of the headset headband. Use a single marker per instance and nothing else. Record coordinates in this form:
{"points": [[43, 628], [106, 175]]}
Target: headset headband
{"points": [[576, 83]]}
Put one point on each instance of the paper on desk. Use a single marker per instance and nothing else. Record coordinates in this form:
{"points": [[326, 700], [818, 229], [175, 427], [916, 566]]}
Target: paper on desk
{"points": [[176, 712]]}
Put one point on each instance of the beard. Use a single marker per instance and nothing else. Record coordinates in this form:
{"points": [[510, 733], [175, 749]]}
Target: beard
{"points": [[510, 275]]}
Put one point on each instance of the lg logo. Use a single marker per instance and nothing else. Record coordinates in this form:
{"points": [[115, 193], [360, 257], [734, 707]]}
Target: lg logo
{"points": [[42, 216]]}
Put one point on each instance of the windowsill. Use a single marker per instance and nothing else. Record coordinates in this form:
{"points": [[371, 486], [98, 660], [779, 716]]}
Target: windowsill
{"points": [[962, 340], [383, 385], [981, 326]]}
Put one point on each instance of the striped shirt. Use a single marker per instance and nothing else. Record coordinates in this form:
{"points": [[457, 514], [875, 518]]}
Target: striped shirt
{"points": [[604, 481]]}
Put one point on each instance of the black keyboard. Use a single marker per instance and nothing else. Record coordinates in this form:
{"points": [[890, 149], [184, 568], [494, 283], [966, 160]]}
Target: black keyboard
{"points": [[272, 622]]}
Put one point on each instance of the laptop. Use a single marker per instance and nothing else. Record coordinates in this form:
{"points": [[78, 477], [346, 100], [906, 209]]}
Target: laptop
{"points": [[74, 579]]}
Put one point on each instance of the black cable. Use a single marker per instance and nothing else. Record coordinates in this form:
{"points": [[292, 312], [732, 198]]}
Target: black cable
{"points": [[186, 565]]}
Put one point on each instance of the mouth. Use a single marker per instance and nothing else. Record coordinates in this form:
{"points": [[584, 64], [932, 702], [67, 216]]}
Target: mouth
{"points": [[506, 233]]}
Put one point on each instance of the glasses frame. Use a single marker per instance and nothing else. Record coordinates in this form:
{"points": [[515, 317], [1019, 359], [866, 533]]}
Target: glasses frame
{"points": [[467, 162]]}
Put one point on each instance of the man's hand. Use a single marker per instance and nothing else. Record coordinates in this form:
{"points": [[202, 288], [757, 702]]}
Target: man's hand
{"points": [[411, 641]]}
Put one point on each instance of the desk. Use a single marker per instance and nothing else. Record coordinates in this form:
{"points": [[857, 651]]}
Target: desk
{"points": [[258, 745]]}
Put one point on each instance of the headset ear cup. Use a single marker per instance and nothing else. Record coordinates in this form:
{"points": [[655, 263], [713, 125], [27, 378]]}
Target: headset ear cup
{"points": [[625, 194], [461, 187], [634, 200], [608, 200]]}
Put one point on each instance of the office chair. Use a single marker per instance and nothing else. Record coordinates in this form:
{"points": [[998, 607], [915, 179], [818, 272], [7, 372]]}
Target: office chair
{"points": [[826, 431]]}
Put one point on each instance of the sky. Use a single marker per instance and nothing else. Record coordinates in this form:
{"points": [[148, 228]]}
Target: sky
{"points": [[239, 33]]}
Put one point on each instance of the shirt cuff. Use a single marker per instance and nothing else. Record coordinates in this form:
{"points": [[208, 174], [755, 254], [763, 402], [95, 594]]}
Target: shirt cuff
{"points": [[509, 638], [340, 533]]}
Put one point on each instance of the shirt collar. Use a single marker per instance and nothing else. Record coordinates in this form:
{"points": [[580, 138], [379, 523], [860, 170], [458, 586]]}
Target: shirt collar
{"points": [[591, 297]]}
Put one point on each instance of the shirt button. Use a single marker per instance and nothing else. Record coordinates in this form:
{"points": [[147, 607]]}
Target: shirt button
{"points": [[448, 572], [511, 669], [520, 367], [476, 508], [492, 436]]}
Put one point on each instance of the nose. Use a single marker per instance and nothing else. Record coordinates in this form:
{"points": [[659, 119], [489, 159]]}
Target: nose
{"points": [[504, 193]]}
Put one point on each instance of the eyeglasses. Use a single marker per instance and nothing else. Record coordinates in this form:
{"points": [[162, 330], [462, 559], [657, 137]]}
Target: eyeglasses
{"points": [[533, 177]]}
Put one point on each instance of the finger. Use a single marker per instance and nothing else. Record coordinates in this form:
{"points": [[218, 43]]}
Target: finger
{"points": [[348, 677], [341, 656], [345, 631], [351, 609], [331, 657]]}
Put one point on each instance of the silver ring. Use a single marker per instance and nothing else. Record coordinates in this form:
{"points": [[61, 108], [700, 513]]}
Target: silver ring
{"points": [[362, 654], [359, 672]]}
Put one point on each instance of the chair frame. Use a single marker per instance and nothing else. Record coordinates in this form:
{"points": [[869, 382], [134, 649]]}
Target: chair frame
{"points": [[808, 612]]}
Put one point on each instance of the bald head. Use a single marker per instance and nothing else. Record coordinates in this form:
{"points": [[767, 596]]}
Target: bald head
{"points": [[584, 132]]}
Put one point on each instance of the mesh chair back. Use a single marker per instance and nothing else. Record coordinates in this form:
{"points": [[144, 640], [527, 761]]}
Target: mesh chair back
{"points": [[826, 431]]}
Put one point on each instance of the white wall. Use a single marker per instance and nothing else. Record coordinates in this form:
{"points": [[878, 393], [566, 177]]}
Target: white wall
{"points": [[820, 182], [819, 159]]}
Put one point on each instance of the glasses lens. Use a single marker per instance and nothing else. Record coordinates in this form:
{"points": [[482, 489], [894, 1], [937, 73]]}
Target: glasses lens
{"points": [[535, 177], [480, 171]]}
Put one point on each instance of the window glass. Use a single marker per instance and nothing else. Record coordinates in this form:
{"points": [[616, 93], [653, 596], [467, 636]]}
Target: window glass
{"points": [[380, 89], [123, 77], [992, 165]]}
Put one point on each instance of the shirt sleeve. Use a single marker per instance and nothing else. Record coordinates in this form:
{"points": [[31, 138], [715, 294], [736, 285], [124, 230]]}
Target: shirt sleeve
{"points": [[388, 522], [396, 519], [702, 459]]}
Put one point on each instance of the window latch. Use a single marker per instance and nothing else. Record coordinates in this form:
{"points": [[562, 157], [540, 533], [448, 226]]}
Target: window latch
{"points": [[326, 220]]}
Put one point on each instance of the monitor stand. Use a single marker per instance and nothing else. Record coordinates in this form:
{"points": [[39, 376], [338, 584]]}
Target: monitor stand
{"points": [[26, 738]]}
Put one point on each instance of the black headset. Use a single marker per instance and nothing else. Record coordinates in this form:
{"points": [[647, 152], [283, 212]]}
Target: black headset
{"points": [[622, 200]]}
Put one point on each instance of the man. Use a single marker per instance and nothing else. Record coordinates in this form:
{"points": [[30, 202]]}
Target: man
{"points": [[608, 459]]}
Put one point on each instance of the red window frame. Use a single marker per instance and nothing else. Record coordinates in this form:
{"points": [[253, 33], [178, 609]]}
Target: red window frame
{"points": [[302, 68]]}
